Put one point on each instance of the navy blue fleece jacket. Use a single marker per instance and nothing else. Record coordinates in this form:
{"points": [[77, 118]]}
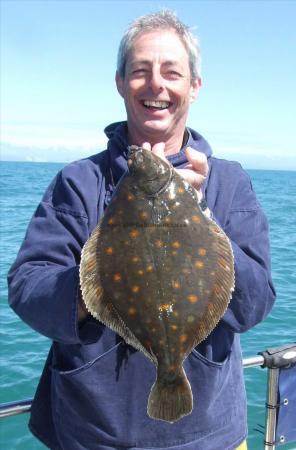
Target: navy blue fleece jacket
{"points": [[94, 388]]}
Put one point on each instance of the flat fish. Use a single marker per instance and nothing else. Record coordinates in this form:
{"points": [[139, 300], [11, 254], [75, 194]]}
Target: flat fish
{"points": [[158, 272]]}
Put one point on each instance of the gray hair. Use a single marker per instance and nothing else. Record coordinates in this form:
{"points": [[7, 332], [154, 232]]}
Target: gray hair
{"points": [[165, 19]]}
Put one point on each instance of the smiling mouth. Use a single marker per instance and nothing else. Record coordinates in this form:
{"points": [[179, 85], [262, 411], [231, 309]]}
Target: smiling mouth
{"points": [[155, 104]]}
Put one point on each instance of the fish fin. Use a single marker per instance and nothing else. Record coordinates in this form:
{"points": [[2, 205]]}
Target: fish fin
{"points": [[170, 400], [94, 298], [91, 289], [225, 283]]}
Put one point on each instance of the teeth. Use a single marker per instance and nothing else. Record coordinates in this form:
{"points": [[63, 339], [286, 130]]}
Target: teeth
{"points": [[156, 104]]}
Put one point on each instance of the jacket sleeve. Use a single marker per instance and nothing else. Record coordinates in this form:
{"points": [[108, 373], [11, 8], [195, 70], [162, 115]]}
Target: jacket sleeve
{"points": [[44, 280], [247, 228]]}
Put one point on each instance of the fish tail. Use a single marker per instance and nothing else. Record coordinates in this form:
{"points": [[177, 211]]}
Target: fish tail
{"points": [[170, 398]]}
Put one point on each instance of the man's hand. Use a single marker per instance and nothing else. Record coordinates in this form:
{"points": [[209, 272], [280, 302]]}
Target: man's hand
{"points": [[194, 172]]}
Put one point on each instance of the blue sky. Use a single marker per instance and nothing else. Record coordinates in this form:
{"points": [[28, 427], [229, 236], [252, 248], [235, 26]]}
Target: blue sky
{"points": [[58, 61]]}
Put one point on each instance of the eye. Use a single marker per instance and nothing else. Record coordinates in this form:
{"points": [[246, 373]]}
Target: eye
{"points": [[139, 72], [173, 75], [140, 158]]}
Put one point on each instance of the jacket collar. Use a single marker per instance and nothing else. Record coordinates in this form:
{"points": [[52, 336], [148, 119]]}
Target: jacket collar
{"points": [[118, 147]]}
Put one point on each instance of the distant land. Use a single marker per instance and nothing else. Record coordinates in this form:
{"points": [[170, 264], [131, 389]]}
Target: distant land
{"points": [[50, 154], [248, 159]]}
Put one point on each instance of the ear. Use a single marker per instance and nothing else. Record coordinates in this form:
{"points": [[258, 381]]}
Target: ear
{"points": [[194, 90], [119, 84]]}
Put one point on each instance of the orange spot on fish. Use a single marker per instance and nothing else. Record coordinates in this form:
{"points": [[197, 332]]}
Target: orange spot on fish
{"points": [[117, 277], [201, 251], [174, 327], [216, 229], [195, 219], [130, 197], [149, 268], [180, 190], [222, 263], [183, 338], [176, 244], [91, 264], [135, 289], [143, 215], [192, 298], [134, 233], [176, 284], [135, 259], [158, 243], [165, 307], [199, 264], [132, 311], [98, 290], [210, 307], [140, 272], [109, 250], [111, 221], [217, 290]]}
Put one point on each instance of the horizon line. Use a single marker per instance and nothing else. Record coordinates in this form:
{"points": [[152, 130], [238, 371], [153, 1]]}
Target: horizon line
{"points": [[69, 162]]}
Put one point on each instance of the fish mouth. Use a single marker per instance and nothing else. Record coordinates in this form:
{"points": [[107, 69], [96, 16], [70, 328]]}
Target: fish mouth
{"points": [[132, 149], [150, 180]]}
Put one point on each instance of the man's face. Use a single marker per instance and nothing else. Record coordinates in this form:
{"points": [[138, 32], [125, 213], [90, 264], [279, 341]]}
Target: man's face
{"points": [[157, 87]]}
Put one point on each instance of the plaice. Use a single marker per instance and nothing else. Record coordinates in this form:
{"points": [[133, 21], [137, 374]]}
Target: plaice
{"points": [[159, 273]]}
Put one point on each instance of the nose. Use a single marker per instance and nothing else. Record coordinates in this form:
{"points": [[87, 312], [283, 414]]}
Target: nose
{"points": [[156, 81]]}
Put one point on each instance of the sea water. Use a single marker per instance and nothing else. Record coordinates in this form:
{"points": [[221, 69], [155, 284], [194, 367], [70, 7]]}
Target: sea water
{"points": [[23, 351]]}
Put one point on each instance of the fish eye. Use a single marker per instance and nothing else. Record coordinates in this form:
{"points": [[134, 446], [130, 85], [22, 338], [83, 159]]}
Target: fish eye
{"points": [[140, 158], [160, 169]]}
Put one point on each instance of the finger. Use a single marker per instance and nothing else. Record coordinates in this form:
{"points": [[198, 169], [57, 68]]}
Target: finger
{"points": [[197, 160], [146, 146], [192, 177], [158, 149]]}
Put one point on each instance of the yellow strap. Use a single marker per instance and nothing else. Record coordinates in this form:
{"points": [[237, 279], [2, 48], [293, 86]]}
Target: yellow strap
{"points": [[243, 446]]}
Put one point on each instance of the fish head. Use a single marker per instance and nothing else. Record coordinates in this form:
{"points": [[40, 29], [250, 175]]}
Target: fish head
{"points": [[150, 172]]}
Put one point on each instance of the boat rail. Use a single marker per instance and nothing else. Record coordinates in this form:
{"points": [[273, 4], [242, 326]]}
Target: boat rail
{"points": [[273, 359]]}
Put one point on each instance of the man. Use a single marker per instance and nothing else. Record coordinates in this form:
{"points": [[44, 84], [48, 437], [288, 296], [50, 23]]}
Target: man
{"points": [[94, 388]]}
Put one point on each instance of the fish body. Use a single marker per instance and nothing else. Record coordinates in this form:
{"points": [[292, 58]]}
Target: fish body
{"points": [[158, 272]]}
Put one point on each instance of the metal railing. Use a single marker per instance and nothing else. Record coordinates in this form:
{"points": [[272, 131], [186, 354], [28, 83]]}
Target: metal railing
{"points": [[14, 408], [272, 359]]}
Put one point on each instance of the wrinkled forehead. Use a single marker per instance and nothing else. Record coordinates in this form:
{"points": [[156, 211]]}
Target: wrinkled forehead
{"points": [[164, 44]]}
